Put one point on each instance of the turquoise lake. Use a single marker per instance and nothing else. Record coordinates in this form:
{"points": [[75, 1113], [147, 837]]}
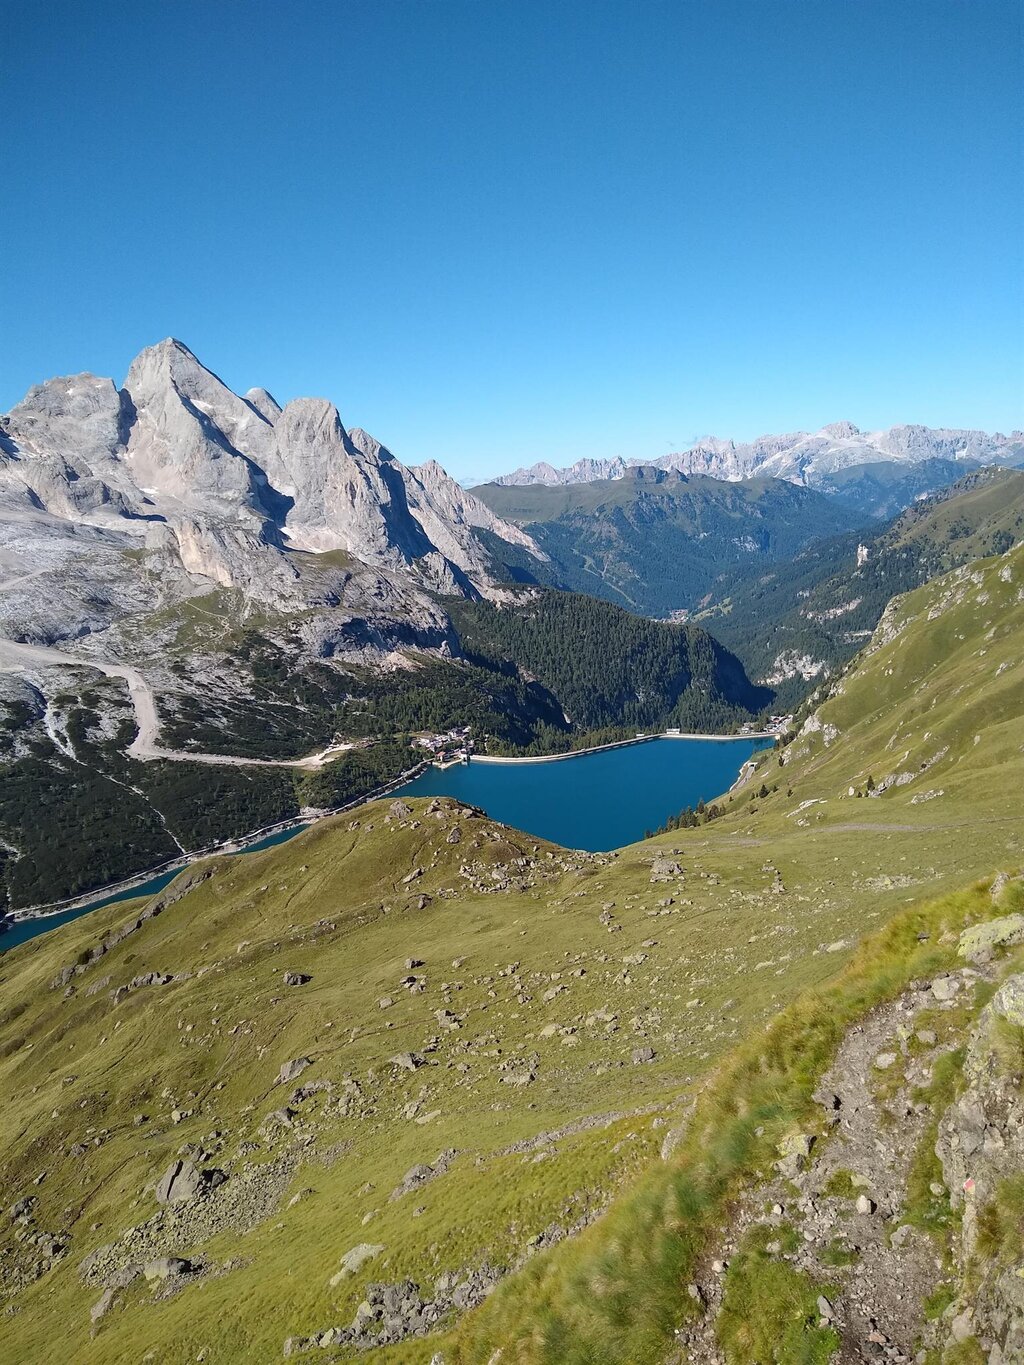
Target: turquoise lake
{"points": [[596, 801], [592, 801]]}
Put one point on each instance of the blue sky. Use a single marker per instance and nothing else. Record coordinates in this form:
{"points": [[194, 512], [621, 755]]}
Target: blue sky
{"points": [[495, 231]]}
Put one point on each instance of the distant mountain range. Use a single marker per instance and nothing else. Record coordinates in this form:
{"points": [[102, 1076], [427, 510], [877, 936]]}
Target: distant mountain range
{"points": [[658, 541], [824, 459]]}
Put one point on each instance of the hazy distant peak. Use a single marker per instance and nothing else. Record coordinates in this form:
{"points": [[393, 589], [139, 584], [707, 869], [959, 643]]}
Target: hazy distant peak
{"points": [[799, 456]]}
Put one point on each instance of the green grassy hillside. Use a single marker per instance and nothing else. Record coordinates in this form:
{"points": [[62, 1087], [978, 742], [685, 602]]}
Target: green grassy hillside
{"points": [[500, 1037]]}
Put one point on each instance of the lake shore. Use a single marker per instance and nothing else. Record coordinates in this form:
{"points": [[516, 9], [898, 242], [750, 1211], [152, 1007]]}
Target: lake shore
{"points": [[97, 898], [618, 744]]}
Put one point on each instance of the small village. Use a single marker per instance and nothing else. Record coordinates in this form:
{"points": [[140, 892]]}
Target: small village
{"points": [[449, 747]]}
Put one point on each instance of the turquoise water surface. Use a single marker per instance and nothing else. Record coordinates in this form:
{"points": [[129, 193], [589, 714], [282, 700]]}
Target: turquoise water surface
{"points": [[596, 801]]}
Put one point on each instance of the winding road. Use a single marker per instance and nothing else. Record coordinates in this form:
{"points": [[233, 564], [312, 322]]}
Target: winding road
{"points": [[20, 658]]}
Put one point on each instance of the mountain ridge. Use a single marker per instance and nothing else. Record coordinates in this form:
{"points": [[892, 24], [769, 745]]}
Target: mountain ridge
{"points": [[229, 484], [800, 457]]}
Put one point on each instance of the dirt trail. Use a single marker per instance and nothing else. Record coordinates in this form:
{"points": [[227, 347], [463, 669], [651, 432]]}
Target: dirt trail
{"points": [[848, 1197], [16, 657]]}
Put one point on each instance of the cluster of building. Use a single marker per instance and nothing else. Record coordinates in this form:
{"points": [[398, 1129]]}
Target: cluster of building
{"points": [[452, 746], [775, 725]]}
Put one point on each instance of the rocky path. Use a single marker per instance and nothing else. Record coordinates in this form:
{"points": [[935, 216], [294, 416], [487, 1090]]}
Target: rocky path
{"points": [[16, 657], [843, 1196]]}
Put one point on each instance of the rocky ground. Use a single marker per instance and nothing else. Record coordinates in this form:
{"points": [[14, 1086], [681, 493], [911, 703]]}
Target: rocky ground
{"points": [[841, 1209]]}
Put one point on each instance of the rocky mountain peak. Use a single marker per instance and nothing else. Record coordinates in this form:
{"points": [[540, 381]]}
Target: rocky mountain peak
{"points": [[311, 423], [78, 414], [231, 484], [265, 404], [369, 445]]}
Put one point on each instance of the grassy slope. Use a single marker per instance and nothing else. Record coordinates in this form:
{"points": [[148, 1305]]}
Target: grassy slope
{"points": [[730, 942]]}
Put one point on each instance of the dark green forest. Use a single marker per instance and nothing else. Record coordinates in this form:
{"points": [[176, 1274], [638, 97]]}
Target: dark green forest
{"points": [[608, 667]]}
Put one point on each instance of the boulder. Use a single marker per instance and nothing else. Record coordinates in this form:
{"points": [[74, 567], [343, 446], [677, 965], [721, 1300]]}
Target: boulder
{"points": [[642, 1054], [1008, 1001], [355, 1259], [296, 978], [407, 1061], [796, 1144], [977, 943], [180, 1183], [291, 1071], [945, 987], [102, 1306], [663, 869], [163, 1267]]}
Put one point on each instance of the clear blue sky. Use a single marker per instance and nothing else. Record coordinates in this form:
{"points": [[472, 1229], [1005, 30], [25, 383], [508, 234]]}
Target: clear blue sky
{"points": [[495, 231]]}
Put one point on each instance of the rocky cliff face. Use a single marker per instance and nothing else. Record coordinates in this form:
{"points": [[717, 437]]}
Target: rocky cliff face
{"points": [[801, 457], [175, 470], [233, 476]]}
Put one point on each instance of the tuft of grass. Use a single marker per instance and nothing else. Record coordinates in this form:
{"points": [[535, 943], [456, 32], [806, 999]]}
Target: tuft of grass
{"points": [[769, 1310], [967, 1352], [1001, 1224], [837, 1253], [938, 1301], [840, 1185]]}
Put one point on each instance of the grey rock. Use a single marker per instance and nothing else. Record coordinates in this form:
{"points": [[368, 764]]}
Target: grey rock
{"points": [[102, 1306], [354, 1259], [407, 1061], [978, 942], [181, 1182], [291, 1071], [945, 987], [163, 1267]]}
